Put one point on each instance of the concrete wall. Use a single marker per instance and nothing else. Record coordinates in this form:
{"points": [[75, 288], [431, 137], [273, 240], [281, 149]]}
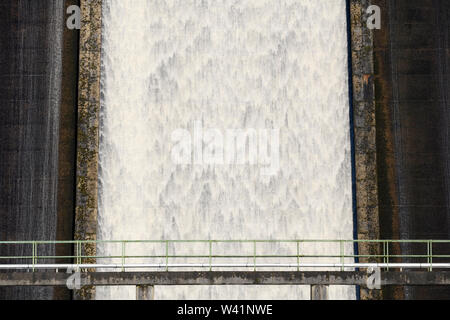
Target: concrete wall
{"points": [[364, 128], [37, 72], [88, 131], [67, 145], [411, 54]]}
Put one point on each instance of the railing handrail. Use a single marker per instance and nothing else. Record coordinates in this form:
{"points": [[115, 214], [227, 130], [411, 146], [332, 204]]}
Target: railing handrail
{"points": [[383, 253]]}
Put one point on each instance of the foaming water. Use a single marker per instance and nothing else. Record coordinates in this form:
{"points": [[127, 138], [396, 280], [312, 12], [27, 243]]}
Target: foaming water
{"points": [[261, 64]]}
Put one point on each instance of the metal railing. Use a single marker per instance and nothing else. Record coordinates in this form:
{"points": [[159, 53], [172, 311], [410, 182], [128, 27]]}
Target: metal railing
{"points": [[216, 254]]}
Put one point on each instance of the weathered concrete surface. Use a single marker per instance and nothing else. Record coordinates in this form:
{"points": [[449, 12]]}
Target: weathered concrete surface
{"points": [[319, 292], [67, 146], [145, 292], [386, 170], [36, 130], [364, 127], [411, 54], [88, 126], [416, 278]]}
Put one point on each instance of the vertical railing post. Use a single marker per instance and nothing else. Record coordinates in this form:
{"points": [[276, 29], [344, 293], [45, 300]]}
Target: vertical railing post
{"points": [[167, 255], [210, 255], [342, 254], [123, 256], [254, 255], [78, 254], [387, 255], [33, 254], [298, 255], [430, 255]]}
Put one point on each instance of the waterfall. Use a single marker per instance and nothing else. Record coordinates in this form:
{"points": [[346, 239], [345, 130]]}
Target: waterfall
{"points": [[259, 65]]}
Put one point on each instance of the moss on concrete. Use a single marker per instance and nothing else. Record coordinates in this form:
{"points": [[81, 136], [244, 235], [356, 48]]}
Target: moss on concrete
{"points": [[88, 135], [365, 134]]}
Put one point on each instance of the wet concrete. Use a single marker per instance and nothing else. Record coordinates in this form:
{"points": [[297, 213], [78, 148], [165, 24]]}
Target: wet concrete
{"points": [[411, 53], [37, 131]]}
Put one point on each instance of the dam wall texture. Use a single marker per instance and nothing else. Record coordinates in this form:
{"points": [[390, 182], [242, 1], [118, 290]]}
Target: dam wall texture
{"points": [[363, 127], [38, 72], [88, 131], [411, 59]]}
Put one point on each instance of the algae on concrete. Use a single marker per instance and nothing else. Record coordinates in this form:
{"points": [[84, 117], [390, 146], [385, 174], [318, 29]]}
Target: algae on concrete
{"points": [[88, 133], [364, 134]]}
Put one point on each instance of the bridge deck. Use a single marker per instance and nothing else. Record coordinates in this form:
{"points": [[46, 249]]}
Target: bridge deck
{"points": [[416, 278]]}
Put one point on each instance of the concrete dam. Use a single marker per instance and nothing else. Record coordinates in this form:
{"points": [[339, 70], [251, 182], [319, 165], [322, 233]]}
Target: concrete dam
{"points": [[217, 120]]}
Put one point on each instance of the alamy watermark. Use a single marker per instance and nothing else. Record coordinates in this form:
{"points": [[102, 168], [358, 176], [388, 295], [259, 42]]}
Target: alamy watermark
{"points": [[73, 282], [212, 146], [74, 19], [374, 18], [374, 279]]}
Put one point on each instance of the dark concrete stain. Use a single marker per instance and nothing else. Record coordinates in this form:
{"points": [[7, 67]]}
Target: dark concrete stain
{"points": [[411, 89], [37, 71]]}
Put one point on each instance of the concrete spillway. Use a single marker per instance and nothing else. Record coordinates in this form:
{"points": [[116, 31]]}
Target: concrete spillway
{"points": [[177, 66], [161, 76]]}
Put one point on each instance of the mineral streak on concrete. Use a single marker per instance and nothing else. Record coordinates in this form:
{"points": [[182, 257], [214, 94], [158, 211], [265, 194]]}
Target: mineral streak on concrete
{"points": [[286, 278], [411, 87], [365, 133], [30, 92], [88, 124]]}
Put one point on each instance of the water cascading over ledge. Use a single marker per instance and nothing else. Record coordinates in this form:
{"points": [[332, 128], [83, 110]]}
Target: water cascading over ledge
{"points": [[262, 65]]}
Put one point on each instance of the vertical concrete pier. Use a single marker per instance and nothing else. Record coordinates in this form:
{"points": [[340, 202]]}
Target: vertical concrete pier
{"points": [[319, 292], [364, 128], [88, 136], [144, 292]]}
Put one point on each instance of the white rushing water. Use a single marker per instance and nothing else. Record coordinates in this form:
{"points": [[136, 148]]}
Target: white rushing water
{"points": [[224, 64]]}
